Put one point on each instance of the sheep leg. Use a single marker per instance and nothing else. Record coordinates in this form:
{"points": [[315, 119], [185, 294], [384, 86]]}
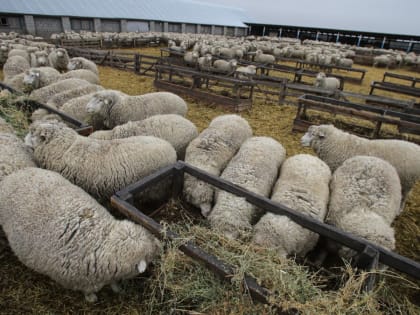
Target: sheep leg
{"points": [[91, 297]]}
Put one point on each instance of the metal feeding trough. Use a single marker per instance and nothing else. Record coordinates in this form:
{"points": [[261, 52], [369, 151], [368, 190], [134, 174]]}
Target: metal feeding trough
{"points": [[369, 254]]}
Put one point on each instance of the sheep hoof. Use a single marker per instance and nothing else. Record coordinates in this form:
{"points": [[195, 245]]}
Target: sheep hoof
{"points": [[141, 267], [91, 297], [205, 209], [115, 287]]}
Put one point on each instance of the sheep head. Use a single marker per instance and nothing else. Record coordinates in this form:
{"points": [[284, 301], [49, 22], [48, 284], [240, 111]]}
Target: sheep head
{"points": [[31, 80], [315, 135], [43, 131], [103, 101], [41, 58]]}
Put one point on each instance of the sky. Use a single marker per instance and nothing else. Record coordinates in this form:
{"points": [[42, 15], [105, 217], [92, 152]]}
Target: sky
{"points": [[383, 16]]}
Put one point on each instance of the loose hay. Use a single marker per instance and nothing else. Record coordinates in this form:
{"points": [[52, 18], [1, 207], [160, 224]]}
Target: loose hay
{"points": [[178, 285]]}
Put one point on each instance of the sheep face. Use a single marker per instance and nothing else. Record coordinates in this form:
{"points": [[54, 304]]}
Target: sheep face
{"points": [[42, 132], [32, 78], [41, 58], [102, 101], [314, 135]]}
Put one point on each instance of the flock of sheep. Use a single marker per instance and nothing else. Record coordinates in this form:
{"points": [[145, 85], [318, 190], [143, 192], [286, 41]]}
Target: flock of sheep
{"points": [[49, 185]]}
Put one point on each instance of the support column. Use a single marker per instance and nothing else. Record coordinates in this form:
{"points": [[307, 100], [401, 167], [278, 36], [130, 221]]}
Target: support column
{"points": [[383, 42], [337, 39], [123, 26], [280, 31], [183, 28], [65, 21], [212, 29], [224, 30], [97, 25], [298, 33], [235, 31], [198, 28], [359, 40], [29, 24], [152, 26], [165, 27]]}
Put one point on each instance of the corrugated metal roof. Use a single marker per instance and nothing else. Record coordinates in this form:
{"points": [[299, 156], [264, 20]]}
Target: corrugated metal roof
{"points": [[186, 11]]}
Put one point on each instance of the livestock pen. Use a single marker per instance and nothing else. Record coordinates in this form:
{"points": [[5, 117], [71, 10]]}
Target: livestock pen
{"points": [[179, 285]]}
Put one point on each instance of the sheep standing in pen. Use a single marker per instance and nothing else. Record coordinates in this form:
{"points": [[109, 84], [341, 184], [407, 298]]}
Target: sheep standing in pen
{"points": [[82, 63], [303, 187], [59, 99], [43, 94], [334, 146], [58, 230], [255, 168], [59, 59], [36, 78], [365, 199], [81, 74], [224, 66], [115, 109], [204, 63], [14, 66], [39, 59], [101, 167], [14, 155], [211, 151], [245, 73], [175, 129], [191, 57], [327, 83], [260, 57], [16, 82]]}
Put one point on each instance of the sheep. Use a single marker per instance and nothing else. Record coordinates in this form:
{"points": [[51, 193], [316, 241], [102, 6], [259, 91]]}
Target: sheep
{"points": [[57, 229], [82, 63], [43, 94], [345, 62], [14, 155], [115, 109], [175, 129], [59, 59], [40, 59], [365, 199], [264, 58], [303, 187], [255, 168], [245, 73], [19, 52], [328, 83], [59, 99], [191, 57], [225, 66], [211, 151], [36, 78], [5, 127], [334, 146], [384, 61], [15, 65], [81, 74], [204, 63], [16, 82], [101, 167]]}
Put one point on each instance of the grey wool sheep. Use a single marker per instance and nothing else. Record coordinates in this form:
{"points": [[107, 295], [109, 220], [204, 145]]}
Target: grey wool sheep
{"points": [[260, 57], [175, 129], [43, 94], [225, 66], [19, 52], [365, 199], [14, 66], [115, 109], [245, 73], [303, 187], [59, 59], [59, 99], [36, 78], [16, 82], [255, 167], [57, 229], [82, 63], [328, 83], [334, 146], [40, 59], [14, 155], [211, 151], [81, 74], [100, 167]]}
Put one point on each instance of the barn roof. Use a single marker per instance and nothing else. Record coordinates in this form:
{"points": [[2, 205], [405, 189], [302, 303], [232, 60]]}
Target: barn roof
{"points": [[185, 11]]}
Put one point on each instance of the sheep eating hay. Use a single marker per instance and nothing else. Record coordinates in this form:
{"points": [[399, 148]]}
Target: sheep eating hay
{"points": [[255, 168], [82, 63], [334, 146], [101, 167], [116, 109], [211, 151], [58, 230], [303, 187]]}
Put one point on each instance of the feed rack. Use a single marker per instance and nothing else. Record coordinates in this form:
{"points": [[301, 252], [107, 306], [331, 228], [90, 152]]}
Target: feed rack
{"points": [[369, 254]]}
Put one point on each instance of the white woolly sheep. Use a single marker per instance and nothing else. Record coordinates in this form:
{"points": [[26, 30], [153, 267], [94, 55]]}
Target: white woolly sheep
{"points": [[43, 94], [101, 167], [39, 59], [59, 59], [115, 109], [16, 82], [225, 66], [14, 155], [260, 57], [59, 99], [15, 65], [82, 63], [211, 151], [58, 230], [204, 63], [345, 62], [303, 187], [191, 57], [36, 78], [255, 168], [175, 129], [365, 199], [245, 73], [328, 83], [334, 146], [81, 74], [19, 52]]}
